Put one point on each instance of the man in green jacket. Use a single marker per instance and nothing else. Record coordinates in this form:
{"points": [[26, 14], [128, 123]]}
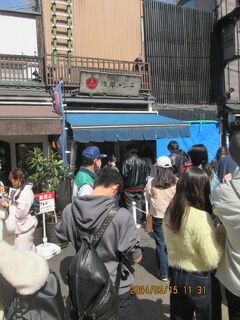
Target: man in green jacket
{"points": [[91, 162]]}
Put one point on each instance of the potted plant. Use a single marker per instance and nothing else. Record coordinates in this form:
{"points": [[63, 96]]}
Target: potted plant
{"points": [[47, 173]]}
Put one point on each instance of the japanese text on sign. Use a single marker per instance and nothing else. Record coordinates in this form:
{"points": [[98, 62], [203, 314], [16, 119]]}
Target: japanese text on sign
{"points": [[109, 83], [47, 201]]}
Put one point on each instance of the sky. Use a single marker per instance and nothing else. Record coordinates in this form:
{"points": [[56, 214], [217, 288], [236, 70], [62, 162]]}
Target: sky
{"points": [[27, 4], [17, 4], [23, 3]]}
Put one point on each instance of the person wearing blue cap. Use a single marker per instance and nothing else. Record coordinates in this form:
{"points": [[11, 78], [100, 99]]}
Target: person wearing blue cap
{"points": [[91, 163]]}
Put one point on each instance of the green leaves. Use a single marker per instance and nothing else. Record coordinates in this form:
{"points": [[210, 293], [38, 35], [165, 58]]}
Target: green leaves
{"points": [[46, 172]]}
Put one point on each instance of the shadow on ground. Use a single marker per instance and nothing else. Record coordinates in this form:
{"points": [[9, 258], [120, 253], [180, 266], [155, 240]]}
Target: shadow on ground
{"points": [[149, 262], [147, 309]]}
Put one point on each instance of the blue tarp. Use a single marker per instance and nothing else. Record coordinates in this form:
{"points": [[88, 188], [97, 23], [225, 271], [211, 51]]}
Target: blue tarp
{"points": [[207, 133], [100, 127]]}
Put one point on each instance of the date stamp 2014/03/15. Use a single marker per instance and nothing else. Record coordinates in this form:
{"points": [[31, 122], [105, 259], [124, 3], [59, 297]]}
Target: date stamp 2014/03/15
{"points": [[160, 289]]}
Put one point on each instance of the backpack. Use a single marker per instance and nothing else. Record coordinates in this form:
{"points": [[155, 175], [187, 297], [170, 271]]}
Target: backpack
{"points": [[46, 303], [90, 288]]}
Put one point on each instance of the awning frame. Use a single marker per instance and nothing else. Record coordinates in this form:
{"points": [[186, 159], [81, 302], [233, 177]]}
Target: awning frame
{"points": [[129, 126], [96, 126]]}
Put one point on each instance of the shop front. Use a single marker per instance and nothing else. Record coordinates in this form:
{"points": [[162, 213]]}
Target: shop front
{"points": [[113, 131], [23, 127]]}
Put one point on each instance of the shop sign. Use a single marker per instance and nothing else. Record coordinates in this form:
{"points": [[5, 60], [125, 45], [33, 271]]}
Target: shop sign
{"points": [[229, 41], [47, 201], [111, 84]]}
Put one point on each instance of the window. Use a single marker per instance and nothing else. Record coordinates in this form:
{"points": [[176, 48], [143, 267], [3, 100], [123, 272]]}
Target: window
{"points": [[21, 153]]}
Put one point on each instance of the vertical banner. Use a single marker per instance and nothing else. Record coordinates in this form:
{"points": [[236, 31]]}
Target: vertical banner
{"points": [[229, 43], [58, 107]]}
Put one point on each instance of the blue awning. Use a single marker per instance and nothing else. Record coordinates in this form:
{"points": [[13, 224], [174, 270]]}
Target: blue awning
{"points": [[103, 126]]}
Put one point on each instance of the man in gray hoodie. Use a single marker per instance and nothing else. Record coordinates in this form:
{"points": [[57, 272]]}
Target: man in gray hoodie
{"points": [[120, 236]]}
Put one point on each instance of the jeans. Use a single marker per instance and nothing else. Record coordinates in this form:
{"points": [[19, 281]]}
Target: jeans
{"points": [[161, 249], [233, 305], [190, 292]]}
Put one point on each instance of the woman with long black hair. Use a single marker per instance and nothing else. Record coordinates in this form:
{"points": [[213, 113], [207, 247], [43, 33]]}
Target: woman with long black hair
{"points": [[198, 154], [193, 247]]}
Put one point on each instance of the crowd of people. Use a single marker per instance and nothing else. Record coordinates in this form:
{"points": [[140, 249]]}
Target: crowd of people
{"points": [[194, 207]]}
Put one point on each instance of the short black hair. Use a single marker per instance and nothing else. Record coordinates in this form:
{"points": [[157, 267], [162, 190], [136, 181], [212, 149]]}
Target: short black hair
{"points": [[131, 146], [198, 154], [173, 146], [234, 147], [107, 177], [86, 161]]}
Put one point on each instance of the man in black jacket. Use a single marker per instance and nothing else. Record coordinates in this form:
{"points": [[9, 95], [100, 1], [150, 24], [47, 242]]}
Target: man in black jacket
{"points": [[178, 157], [135, 173]]}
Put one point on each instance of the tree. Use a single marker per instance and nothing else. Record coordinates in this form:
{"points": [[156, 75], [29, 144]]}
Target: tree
{"points": [[46, 172]]}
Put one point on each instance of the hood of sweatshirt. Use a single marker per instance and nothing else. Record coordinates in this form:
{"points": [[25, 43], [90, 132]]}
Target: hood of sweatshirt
{"points": [[90, 210]]}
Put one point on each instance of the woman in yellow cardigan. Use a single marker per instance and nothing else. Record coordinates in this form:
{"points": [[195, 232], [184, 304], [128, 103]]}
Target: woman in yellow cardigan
{"points": [[193, 247]]}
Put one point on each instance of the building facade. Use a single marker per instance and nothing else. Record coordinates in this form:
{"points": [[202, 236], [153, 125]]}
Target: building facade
{"points": [[26, 109], [227, 27], [94, 29], [95, 51]]}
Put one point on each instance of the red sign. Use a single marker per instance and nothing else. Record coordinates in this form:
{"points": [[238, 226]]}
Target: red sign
{"points": [[91, 83], [47, 201]]}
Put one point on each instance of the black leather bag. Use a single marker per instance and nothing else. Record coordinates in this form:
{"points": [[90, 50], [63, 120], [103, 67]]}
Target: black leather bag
{"points": [[91, 290], [45, 304]]}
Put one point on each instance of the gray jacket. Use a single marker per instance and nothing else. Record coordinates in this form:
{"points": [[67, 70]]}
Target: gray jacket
{"points": [[226, 206], [120, 236]]}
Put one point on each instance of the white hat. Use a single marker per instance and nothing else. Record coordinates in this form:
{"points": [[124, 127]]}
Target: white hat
{"points": [[164, 162]]}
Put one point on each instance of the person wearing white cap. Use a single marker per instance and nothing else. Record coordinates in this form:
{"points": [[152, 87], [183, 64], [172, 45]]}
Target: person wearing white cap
{"points": [[160, 191]]}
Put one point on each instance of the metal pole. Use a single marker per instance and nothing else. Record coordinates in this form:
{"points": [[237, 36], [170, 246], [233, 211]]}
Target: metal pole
{"points": [[134, 211], [44, 229], [146, 204]]}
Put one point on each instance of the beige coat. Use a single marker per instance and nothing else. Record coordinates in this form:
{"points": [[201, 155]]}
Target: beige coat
{"points": [[159, 199], [226, 206], [195, 247]]}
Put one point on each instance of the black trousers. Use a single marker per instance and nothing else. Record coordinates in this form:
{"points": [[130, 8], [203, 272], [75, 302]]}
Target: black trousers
{"points": [[233, 305], [138, 197], [126, 307]]}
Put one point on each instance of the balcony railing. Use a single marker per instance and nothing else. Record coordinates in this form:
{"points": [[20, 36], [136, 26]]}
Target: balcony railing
{"points": [[49, 70], [21, 68], [68, 69]]}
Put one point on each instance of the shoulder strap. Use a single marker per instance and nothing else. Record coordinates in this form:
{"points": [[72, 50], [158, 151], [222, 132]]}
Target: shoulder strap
{"points": [[235, 190], [98, 232]]}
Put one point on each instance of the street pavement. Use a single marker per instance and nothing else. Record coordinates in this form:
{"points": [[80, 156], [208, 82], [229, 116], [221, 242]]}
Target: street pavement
{"points": [[152, 303]]}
